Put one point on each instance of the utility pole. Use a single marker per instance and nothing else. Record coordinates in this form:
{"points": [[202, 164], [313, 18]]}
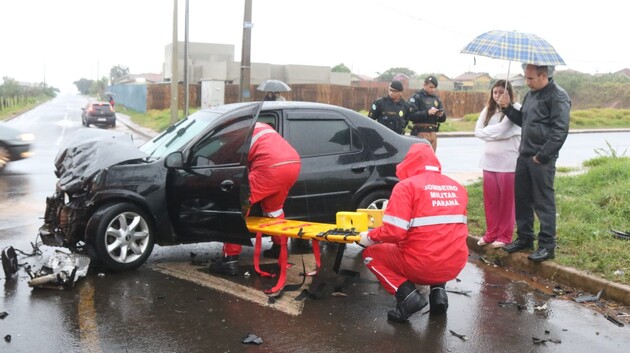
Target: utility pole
{"points": [[245, 94], [174, 68], [186, 77]]}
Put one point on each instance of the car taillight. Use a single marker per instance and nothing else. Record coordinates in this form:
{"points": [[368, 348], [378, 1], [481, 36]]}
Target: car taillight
{"points": [[91, 109]]}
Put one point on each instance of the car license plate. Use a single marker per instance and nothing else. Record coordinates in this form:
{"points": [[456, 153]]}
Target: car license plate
{"points": [[102, 119]]}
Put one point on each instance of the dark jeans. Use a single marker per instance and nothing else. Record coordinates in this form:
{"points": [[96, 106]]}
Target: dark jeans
{"points": [[534, 192]]}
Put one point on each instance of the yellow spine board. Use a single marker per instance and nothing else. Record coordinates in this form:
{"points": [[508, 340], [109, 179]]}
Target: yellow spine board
{"points": [[347, 229]]}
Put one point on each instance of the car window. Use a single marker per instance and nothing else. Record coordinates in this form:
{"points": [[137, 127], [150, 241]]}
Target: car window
{"points": [[269, 118], [320, 133], [224, 145]]}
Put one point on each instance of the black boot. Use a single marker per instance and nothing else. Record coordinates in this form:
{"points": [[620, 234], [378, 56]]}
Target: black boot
{"points": [[409, 301], [273, 252], [438, 300], [227, 266]]}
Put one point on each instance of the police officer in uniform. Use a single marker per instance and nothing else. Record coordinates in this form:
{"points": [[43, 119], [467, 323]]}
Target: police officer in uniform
{"points": [[427, 112], [392, 109]]}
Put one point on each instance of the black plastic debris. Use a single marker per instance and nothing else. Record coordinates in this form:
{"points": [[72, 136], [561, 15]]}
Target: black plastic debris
{"points": [[463, 337], [462, 292], [252, 339], [7, 338], [613, 320], [3, 314], [542, 341], [620, 235], [9, 262]]}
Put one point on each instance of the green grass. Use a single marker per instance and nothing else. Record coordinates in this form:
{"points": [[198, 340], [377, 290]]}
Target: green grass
{"points": [[589, 205], [18, 109], [580, 119], [157, 120]]}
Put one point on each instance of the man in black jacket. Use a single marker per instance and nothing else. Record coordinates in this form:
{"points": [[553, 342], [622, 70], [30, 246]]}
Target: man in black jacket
{"points": [[544, 118], [392, 109], [427, 112]]}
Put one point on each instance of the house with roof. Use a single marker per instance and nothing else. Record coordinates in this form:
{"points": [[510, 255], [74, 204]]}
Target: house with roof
{"points": [[516, 79], [472, 81]]}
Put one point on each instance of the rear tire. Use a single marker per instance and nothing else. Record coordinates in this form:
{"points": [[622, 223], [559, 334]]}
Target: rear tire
{"points": [[122, 235], [376, 200]]}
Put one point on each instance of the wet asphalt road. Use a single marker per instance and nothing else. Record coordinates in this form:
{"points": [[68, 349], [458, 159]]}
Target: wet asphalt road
{"points": [[172, 305]]}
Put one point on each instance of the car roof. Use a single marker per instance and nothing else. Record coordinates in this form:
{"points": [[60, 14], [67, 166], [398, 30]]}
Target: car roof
{"points": [[276, 105]]}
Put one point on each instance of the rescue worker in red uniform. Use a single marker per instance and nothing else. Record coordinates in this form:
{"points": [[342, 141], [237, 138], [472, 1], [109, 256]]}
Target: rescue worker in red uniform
{"points": [[274, 166], [423, 236]]}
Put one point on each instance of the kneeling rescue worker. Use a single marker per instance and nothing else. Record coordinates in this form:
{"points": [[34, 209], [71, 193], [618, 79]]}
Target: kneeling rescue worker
{"points": [[274, 166], [423, 237]]}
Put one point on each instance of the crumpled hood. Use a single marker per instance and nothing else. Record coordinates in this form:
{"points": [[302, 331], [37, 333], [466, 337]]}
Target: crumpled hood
{"points": [[90, 151], [419, 159]]}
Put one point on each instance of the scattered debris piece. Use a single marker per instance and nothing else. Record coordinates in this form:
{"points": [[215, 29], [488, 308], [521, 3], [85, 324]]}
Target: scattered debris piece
{"points": [[618, 273], [61, 271], [518, 306], [542, 341], [252, 339], [541, 307], [620, 235], [3, 314], [613, 320], [463, 292], [463, 337], [7, 338], [339, 294], [591, 298], [9, 262]]}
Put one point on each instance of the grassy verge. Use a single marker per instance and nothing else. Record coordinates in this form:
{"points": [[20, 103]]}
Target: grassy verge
{"points": [[18, 109], [157, 120], [580, 119], [589, 205]]}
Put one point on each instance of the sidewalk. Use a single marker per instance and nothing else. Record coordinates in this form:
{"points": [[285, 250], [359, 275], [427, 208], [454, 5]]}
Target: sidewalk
{"points": [[517, 261]]}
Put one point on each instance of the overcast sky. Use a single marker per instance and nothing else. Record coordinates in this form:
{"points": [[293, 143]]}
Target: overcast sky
{"points": [[64, 40]]}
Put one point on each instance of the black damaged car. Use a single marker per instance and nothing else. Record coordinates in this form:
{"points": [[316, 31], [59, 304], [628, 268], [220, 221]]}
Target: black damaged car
{"points": [[189, 184]]}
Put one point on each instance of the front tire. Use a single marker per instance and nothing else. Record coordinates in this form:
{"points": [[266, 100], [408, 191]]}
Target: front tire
{"points": [[122, 235]]}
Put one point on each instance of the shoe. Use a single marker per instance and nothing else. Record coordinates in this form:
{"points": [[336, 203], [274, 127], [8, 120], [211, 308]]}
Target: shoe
{"points": [[227, 266], [481, 242], [542, 254], [438, 300], [273, 252], [409, 301], [497, 244], [519, 245]]}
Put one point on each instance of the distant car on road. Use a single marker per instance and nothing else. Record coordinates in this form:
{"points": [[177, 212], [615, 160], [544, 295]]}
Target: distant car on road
{"points": [[98, 113], [189, 184], [14, 145]]}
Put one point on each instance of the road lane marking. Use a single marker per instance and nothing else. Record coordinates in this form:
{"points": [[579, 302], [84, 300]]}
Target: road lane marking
{"points": [[286, 303]]}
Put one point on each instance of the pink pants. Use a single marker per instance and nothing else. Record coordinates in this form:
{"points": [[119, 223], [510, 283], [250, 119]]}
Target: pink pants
{"points": [[498, 200]]}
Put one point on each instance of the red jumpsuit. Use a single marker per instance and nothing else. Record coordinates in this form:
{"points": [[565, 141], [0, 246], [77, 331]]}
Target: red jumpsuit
{"points": [[423, 236], [274, 166]]}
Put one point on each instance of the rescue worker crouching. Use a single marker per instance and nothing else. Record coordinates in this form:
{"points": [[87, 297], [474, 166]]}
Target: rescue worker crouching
{"points": [[426, 112], [423, 236], [391, 110]]}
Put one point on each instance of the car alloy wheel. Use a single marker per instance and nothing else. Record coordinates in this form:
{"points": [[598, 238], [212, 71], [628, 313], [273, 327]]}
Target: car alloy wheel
{"points": [[123, 236], [376, 200]]}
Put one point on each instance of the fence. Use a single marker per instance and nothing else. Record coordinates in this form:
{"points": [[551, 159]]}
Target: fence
{"points": [[457, 104]]}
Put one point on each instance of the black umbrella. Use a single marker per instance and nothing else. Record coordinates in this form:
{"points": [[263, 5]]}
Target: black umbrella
{"points": [[273, 86]]}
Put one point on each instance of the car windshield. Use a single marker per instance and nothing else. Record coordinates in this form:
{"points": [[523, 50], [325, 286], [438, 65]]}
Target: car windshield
{"points": [[178, 135]]}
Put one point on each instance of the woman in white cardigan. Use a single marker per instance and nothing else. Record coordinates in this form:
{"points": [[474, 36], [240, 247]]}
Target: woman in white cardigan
{"points": [[498, 163]]}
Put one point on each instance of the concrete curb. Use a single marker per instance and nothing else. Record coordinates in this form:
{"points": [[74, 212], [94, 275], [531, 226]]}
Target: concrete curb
{"points": [[552, 271]]}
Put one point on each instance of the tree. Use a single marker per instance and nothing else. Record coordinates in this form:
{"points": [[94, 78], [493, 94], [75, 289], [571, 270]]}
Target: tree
{"points": [[389, 74], [341, 68], [117, 72], [84, 85]]}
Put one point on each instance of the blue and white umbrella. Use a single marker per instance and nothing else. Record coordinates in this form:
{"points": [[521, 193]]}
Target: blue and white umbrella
{"points": [[514, 46]]}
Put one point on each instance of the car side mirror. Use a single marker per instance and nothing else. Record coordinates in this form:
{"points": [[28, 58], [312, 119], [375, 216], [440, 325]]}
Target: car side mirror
{"points": [[82, 108], [174, 160]]}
